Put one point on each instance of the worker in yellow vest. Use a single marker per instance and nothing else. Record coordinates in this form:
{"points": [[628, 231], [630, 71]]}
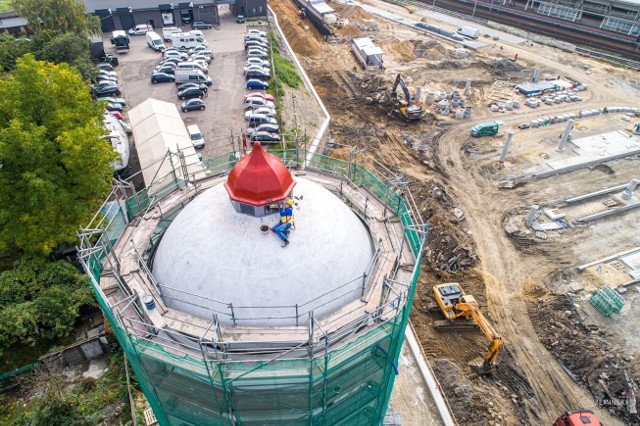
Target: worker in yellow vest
{"points": [[286, 221]]}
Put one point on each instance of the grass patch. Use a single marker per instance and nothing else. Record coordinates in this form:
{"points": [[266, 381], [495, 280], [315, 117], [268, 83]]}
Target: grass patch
{"points": [[286, 72], [5, 6]]}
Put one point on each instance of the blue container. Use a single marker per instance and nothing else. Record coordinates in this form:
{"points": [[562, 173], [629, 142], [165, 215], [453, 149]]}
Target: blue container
{"points": [[149, 302]]}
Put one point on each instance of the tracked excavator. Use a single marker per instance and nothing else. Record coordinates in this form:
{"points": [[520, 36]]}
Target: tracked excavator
{"points": [[458, 308], [405, 108]]}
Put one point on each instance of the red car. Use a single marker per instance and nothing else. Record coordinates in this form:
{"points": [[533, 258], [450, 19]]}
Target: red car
{"points": [[116, 114], [265, 96]]}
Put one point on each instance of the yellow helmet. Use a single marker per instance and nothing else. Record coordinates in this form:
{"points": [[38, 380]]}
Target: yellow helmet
{"points": [[289, 202]]}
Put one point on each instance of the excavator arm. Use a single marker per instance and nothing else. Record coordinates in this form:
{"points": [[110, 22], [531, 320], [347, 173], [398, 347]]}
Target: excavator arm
{"points": [[470, 308], [405, 89]]}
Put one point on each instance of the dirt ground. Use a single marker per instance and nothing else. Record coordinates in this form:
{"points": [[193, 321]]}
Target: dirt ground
{"points": [[556, 355]]}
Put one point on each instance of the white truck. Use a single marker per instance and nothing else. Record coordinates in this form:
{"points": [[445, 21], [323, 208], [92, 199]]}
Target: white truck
{"points": [[167, 32], [154, 41], [186, 40], [469, 32]]}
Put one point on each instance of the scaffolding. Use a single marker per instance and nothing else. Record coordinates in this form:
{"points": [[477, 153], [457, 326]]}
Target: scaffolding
{"points": [[328, 371]]}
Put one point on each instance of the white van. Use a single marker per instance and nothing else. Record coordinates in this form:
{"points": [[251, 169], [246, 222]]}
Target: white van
{"points": [[186, 40], [196, 136], [191, 66], [197, 33], [154, 41], [191, 76], [168, 32]]}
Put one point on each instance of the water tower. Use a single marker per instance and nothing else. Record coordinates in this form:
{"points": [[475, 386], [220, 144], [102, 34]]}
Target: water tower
{"points": [[222, 325]]}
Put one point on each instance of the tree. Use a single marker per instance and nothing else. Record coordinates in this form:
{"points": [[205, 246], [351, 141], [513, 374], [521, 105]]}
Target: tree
{"points": [[54, 169], [58, 16], [70, 48], [40, 301], [11, 49]]}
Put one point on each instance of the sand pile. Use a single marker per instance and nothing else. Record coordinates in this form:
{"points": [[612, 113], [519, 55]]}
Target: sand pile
{"points": [[355, 13], [401, 51], [349, 30]]}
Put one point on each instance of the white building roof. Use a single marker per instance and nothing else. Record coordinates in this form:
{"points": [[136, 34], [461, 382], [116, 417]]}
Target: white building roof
{"points": [[366, 45], [322, 8], [212, 253], [157, 128]]}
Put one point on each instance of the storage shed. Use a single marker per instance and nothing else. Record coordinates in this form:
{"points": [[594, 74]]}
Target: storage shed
{"points": [[367, 53]]}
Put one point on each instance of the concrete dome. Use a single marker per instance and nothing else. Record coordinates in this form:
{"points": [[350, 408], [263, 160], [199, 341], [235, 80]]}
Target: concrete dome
{"points": [[212, 253]]}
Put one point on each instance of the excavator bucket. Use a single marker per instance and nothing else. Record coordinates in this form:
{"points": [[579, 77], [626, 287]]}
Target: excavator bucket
{"points": [[481, 368]]}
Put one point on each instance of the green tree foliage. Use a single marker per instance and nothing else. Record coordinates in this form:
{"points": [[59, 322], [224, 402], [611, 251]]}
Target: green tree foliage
{"points": [[40, 301], [58, 16], [54, 169], [70, 48], [11, 49]]}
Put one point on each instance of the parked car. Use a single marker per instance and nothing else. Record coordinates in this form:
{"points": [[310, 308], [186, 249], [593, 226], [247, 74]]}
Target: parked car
{"points": [[254, 84], [256, 68], [265, 96], [255, 36], [104, 66], [104, 79], [193, 105], [198, 48], [265, 137], [102, 84], [267, 127], [240, 19], [115, 107], [523, 126], [256, 73], [175, 54], [257, 119], [256, 31], [198, 34], [253, 103], [140, 29], [166, 69], [161, 77], [173, 61], [105, 73], [116, 114], [126, 126], [256, 43], [199, 25], [257, 61], [195, 57], [188, 85], [204, 52], [195, 135], [107, 91], [269, 112], [191, 92], [257, 53], [111, 100]]}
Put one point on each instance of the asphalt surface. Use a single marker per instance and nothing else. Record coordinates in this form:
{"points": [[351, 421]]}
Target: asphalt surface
{"points": [[224, 113]]}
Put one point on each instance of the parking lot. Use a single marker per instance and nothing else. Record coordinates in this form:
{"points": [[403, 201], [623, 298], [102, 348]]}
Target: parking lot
{"points": [[224, 113]]}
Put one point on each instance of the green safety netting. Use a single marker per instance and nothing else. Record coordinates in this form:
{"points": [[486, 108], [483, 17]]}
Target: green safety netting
{"points": [[346, 386]]}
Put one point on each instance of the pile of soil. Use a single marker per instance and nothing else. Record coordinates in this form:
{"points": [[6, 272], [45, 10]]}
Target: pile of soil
{"points": [[399, 50], [292, 26], [429, 49], [459, 391], [355, 13], [349, 30]]}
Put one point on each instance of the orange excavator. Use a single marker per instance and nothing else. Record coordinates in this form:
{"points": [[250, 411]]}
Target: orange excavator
{"points": [[457, 307]]}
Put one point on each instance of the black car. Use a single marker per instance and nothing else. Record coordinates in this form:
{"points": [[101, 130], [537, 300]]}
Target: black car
{"points": [[107, 91], [191, 92], [183, 86], [523, 126], [199, 25], [240, 19], [257, 74], [265, 137], [165, 69], [193, 105], [161, 77]]}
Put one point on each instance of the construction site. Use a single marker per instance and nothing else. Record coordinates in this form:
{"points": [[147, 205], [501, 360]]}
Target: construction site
{"points": [[536, 219]]}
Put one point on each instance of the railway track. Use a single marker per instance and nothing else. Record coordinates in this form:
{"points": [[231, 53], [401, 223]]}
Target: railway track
{"points": [[589, 38]]}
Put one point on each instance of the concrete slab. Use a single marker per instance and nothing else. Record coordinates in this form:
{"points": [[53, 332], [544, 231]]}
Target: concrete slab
{"points": [[632, 260], [588, 151]]}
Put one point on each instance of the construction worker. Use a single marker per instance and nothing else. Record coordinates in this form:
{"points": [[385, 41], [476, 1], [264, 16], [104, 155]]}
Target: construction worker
{"points": [[286, 221]]}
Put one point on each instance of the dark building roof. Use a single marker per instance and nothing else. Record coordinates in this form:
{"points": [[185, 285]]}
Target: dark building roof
{"points": [[92, 5]]}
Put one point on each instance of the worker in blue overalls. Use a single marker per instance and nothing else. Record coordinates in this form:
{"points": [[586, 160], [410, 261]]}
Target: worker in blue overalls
{"points": [[286, 221]]}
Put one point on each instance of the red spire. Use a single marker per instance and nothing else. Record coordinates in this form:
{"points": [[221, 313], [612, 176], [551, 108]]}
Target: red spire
{"points": [[259, 178]]}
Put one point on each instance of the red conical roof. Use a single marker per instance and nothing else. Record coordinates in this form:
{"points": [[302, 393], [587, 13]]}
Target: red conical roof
{"points": [[259, 178]]}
